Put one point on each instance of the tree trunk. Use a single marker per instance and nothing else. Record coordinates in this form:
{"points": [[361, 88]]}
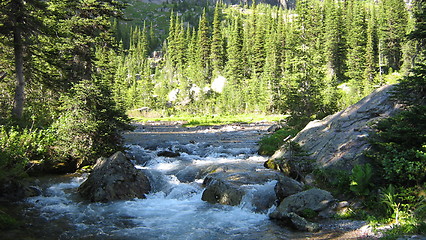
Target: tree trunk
{"points": [[18, 105], [2, 75]]}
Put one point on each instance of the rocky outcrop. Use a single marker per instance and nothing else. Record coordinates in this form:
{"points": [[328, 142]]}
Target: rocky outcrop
{"points": [[114, 178], [293, 207], [340, 140]]}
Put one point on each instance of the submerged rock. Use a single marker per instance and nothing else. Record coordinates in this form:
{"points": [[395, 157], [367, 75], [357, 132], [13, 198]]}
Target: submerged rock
{"points": [[114, 178]]}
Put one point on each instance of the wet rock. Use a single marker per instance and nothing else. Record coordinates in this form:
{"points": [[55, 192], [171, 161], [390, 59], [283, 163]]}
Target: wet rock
{"points": [[286, 187], [169, 154], [13, 190], [313, 199], [114, 178], [296, 221], [293, 207], [188, 174], [230, 188], [220, 191]]}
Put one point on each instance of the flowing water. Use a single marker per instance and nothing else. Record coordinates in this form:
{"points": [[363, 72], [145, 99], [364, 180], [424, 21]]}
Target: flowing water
{"points": [[173, 209]]}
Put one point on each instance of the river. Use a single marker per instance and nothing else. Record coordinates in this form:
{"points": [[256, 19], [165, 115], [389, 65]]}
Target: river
{"points": [[173, 209]]}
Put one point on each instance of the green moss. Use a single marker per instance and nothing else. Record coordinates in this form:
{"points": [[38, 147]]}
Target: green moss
{"points": [[308, 213], [271, 143]]}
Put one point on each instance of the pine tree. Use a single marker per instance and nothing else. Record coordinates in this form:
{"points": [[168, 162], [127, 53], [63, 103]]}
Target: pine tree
{"points": [[305, 74], [393, 31], [412, 89], [217, 57], [335, 43], [21, 22], [203, 50], [372, 51], [357, 42], [232, 97]]}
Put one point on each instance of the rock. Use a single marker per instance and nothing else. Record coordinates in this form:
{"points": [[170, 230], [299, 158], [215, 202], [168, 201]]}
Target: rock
{"points": [[220, 191], [314, 199], [297, 222], [274, 128], [339, 140], [114, 178], [169, 154], [230, 188], [292, 207], [14, 190], [286, 187]]}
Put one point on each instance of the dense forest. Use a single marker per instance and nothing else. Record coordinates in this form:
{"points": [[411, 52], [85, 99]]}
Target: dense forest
{"points": [[308, 62], [69, 71]]}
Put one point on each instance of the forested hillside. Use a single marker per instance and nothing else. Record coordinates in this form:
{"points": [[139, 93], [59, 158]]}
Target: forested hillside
{"points": [[307, 62]]}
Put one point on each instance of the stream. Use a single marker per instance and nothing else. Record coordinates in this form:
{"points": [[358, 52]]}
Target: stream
{"points": [[173, 209]]}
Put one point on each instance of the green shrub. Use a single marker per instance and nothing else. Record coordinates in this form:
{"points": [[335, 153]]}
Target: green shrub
{"points": [[18, 146], [6, 221], [271, 143], [399, 147], [89, 124], [361, 179], [335, 180]]}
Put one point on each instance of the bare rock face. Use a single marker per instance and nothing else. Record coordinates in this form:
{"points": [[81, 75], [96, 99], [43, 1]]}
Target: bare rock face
{"points": [[114, 178], [340, 140]]}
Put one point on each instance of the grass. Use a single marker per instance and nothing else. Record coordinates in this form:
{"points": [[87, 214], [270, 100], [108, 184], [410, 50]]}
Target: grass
{"points": [[207, 120]]}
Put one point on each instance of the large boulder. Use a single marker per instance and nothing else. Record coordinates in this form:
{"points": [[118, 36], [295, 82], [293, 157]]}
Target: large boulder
{"points": [[339, 140], [114, 178]]}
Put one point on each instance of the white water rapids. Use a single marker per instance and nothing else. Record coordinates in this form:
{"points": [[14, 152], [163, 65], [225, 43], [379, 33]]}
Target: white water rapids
{"points": [[173, 209]]}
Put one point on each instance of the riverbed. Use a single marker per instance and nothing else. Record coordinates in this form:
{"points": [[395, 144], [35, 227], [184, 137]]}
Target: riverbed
{"points": [[173, 209]]}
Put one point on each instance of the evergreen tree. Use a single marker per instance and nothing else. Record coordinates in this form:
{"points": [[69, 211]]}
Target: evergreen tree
{"points": [[335, 43], [305, 74], [357, 42], [412, 89], [372, 51], [203, 50], [217, 57], [394, 27], [233, 96], [20, 22]]}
